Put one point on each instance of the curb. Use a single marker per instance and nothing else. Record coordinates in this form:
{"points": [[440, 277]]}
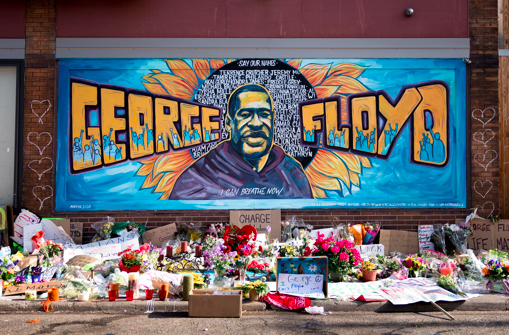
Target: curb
{"points": [[105, 306]]}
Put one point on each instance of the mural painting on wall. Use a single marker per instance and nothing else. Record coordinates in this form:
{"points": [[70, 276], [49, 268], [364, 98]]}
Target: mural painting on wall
{"points": [[260, 133]]}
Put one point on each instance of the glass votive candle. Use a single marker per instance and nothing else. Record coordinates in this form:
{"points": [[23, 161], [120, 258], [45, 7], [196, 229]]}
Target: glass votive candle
{"points": [[129, 295], [112, 295], [149, 294], [163, 294]]}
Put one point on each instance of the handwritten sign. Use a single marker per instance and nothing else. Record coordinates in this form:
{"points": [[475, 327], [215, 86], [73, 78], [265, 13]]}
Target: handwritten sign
{"points": [[259, 219], [410, 295], [99, 248], [73, 229], [29, 231], [81, 260], [424, 235], [306, 277], [55, 233], [20, 289], [369, 250], [160, 235]]}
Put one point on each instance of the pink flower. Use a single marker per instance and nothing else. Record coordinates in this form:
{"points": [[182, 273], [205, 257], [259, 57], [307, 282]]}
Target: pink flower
{"points": [[325, 246], [335, 250], [344, 257]]}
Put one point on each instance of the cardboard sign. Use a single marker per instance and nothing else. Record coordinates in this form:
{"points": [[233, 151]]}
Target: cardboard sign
{"points": [[483, 234], [55, 233], [73, 229], [424, 235], [259, 219], [305, 277], [26, 262], [369, 250], [29, 231], [398, 240], [326, 231], [20, 289], [81, 260], [160, 235]]}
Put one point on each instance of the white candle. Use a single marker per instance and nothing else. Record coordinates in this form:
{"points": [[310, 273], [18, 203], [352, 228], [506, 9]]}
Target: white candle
{"points": [[83, 296]]}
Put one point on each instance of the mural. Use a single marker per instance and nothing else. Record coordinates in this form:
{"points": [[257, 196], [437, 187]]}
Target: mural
{"points": [[261, 133]]}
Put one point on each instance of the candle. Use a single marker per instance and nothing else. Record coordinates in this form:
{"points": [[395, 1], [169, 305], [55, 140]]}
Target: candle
{"points": [[183, 246], [132, 285], [115, 287], [160, 258], [169, 251], [83, 296], [197, 251]]}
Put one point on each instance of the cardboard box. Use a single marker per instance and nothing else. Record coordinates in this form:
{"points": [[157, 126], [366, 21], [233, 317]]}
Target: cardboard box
{"points": [[206, 304], [405, 242], [259, 219]]}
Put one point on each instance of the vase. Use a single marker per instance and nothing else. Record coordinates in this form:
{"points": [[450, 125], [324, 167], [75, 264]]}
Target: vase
{"points": [[36, 278], [253, 295], [219, 279], [369, 275], [135, 268], [339, 276], [414, 274]]}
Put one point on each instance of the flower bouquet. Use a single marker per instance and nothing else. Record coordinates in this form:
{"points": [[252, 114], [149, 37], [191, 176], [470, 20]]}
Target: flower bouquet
{"points": [[256, 290], [38, 239], [438, 238], [149, 256], [414, 265], [389, 266], [51, 252], [498, 273], [458, 234], [130, 261], [220, 260], [447, 282], [343, 256]]}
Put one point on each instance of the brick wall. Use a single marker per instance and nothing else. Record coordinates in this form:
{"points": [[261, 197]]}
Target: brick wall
{"points": [[483, 95]]}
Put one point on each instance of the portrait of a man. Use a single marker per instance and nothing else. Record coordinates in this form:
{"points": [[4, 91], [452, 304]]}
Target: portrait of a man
{"points": [[249, 164]]}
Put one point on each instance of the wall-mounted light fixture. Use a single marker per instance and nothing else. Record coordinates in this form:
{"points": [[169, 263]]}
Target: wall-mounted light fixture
{"points": [[409, 12]]}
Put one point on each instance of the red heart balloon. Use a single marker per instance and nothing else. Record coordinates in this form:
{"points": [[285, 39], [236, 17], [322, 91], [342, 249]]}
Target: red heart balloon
{"points": [[248, 230]]}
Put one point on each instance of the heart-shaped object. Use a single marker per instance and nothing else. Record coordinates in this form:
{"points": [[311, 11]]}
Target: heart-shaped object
{"points": [[248, 230]]}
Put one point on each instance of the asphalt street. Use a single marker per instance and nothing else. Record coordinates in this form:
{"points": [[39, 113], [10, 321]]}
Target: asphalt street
{"points": [[268, 322]]}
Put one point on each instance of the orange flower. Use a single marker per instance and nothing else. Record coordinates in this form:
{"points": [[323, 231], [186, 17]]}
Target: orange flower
{"points": [[485, 271]]}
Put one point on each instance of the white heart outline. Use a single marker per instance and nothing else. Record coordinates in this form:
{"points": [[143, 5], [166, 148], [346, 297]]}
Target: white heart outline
{"points": [[40, 102], [482, 185], [482, 115], [40, 161], [482, 133], [482, 207], [38, 137], [42, 188], [484, 159]]}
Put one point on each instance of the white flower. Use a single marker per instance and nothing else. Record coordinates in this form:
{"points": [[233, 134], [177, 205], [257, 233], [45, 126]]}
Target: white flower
{"points": [[312, 268], [219, 241]]}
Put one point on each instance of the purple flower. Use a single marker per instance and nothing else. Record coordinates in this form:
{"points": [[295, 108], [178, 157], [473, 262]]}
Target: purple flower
{"points": [[268, 229]]}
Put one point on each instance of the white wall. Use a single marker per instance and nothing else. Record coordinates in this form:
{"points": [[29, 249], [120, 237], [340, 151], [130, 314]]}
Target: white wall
{"points": [[7, 133]]}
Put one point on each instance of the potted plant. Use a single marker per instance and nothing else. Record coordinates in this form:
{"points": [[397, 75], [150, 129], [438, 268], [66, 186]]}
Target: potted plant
{"points": [[255, 290], [131, 260], [36, 272], [342, 256], [369, 271]]}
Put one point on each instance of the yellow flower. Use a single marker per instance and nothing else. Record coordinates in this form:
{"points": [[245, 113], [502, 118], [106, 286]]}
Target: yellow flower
{"points": [[411, 269]]}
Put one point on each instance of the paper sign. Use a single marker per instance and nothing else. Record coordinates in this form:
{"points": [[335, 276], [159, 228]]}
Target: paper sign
{"points": [[73, 229], [301, 285], [354, 290], [369, 250], [54, 233], [304, 273], [327, 232], [259, 219], [29, 231], [20, 289], [160, 235], [105, 252], [410, 295], [24, 218], [81, 260], [398, 240], [424, 236], [129, 240]]}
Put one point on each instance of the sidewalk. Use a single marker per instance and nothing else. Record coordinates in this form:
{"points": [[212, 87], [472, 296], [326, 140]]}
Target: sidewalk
{"points": [[491, 302]]}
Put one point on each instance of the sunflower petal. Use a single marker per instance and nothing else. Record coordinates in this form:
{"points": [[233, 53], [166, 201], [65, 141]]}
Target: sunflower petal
{"points": [[330, 165], [325, 91], [350, 85], [322, 181], [176, 86], [181, 69], [150, 181], [354, 177], [155, 88], [315, 73], [365, 162], [318, 192], [229, 60], [217, 63], [174, 161], [294, 63], [352, 161], [167, 182], [347, 69], [202, 68], [149, 78]]}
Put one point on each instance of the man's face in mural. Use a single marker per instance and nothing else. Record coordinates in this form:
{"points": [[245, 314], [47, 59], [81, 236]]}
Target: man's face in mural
{"points": [[251, 124]]}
